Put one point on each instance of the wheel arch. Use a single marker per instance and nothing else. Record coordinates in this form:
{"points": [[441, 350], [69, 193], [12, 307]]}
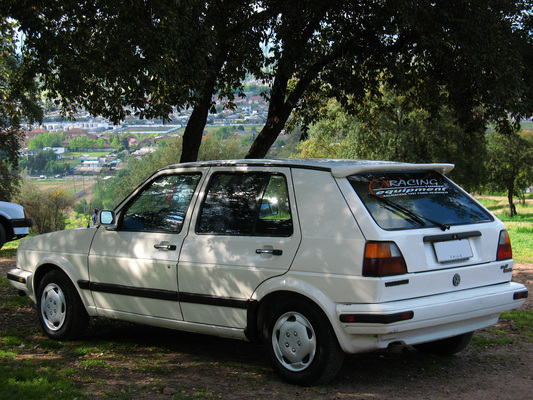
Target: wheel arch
{"points": [[276, 297], [65, 267], [266, 296], [41, 272]]}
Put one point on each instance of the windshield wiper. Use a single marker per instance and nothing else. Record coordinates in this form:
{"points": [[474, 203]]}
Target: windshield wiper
{"points": [[416, 217]]}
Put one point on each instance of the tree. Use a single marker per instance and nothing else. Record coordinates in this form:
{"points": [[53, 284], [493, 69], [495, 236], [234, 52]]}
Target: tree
{"points": [[114, 57], [48, 208], [111, 56], [509, 164], [46, 139], [17, 101], [393, 128], [466, 55]]}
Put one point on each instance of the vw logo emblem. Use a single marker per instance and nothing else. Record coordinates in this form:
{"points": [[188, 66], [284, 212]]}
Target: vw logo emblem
{"points": [[456, 280]]}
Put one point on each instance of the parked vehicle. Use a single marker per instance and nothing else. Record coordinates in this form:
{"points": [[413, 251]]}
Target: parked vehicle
{"points": [[316, 258], [14, 222]]}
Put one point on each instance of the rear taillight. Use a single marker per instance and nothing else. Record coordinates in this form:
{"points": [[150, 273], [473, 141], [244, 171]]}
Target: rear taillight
{"points": [[383, 259], [504, 247]]}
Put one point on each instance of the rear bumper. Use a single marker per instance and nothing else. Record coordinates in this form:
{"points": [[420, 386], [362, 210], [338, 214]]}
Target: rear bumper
{"points": [[426, 318]]}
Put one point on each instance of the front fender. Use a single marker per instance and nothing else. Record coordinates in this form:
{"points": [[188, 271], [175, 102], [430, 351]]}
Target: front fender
{"points": [[73, 268], [64, 250]]}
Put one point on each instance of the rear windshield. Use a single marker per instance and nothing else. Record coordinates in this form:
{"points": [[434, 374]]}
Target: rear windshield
{"points": [[406, 200]]}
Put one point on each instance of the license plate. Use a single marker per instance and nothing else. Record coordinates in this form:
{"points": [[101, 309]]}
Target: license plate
{"points": [[452, 250]]}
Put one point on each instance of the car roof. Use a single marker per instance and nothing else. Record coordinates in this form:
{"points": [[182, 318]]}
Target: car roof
{"points": [[339, 168]]}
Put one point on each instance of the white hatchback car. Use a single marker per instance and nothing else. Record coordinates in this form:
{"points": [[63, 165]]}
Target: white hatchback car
{"points": [[316, 258]]}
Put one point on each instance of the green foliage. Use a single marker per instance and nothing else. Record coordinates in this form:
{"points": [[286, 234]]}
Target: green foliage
{"points": [[434, 55], [43, 162], [520, 226], [224, 133], [118, 58], [108, 193], [47, 208], [391, 127], [82, 142], [216, 148], [77, 221], [46, 139], [509, 164], [18, 101]]}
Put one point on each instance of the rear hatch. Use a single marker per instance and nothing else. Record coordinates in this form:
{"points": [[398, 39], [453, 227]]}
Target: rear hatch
{"points": [[441, 232]]}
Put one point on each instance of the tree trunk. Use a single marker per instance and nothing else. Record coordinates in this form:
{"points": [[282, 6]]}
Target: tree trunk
{"points": [[512, 207], [278, 114], [194, 131], [282, 102]]}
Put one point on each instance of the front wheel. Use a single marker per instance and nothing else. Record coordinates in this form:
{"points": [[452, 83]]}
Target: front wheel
{"points": [[61, 312], [301, 343], [446, 347]]}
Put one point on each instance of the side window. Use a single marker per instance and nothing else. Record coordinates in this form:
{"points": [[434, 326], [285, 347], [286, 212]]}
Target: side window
{"points": [[246, 204], [161, 207]]}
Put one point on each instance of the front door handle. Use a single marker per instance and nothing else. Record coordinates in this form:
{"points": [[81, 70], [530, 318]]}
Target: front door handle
{"points": [[274, 252], [165, 246]]}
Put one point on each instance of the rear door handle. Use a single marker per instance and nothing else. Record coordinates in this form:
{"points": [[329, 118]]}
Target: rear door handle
{"points": [[274, 252], [165, 246]]}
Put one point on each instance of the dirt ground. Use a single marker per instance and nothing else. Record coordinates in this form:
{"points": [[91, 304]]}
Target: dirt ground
{"points": [[163, 364]]}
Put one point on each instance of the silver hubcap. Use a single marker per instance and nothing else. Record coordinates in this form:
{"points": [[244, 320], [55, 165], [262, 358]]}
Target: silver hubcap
{"points": [[53, 307], [294, 341]]}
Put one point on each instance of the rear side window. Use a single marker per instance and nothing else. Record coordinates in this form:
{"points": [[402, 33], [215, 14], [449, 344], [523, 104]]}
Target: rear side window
{"points": [[406, 200], [246, 204]]}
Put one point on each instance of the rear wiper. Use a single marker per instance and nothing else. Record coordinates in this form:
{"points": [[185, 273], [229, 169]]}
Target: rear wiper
{"points": [[416, 217]]}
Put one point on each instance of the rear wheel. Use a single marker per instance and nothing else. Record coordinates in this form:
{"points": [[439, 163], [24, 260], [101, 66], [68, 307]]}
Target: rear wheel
{"points": [[301, 343], [446, 347], [62, 315]]}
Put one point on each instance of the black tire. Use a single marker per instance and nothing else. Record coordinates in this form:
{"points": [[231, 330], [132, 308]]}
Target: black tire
{"points": [[62, 314], [2, 236], [446, 347], [301, 343]]}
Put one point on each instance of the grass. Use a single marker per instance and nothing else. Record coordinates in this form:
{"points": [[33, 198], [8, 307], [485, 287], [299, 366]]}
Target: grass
{"points": [[34, 367], [26, 379], [522, 321], [518, 321], [9, 249], [520, 227], [69, 185]]}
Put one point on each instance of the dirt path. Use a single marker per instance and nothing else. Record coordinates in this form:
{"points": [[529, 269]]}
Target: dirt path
{"points": [[152, 363]]}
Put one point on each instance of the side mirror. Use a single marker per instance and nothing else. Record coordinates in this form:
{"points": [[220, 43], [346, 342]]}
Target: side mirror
{"points": [[108, 219], [268, 209]]}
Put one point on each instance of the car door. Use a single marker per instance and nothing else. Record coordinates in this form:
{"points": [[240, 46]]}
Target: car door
{"points": [[133, 268], [245, 232]]}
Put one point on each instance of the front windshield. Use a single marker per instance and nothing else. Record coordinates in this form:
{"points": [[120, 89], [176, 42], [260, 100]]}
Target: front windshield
{"points": [[403, 200]]}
